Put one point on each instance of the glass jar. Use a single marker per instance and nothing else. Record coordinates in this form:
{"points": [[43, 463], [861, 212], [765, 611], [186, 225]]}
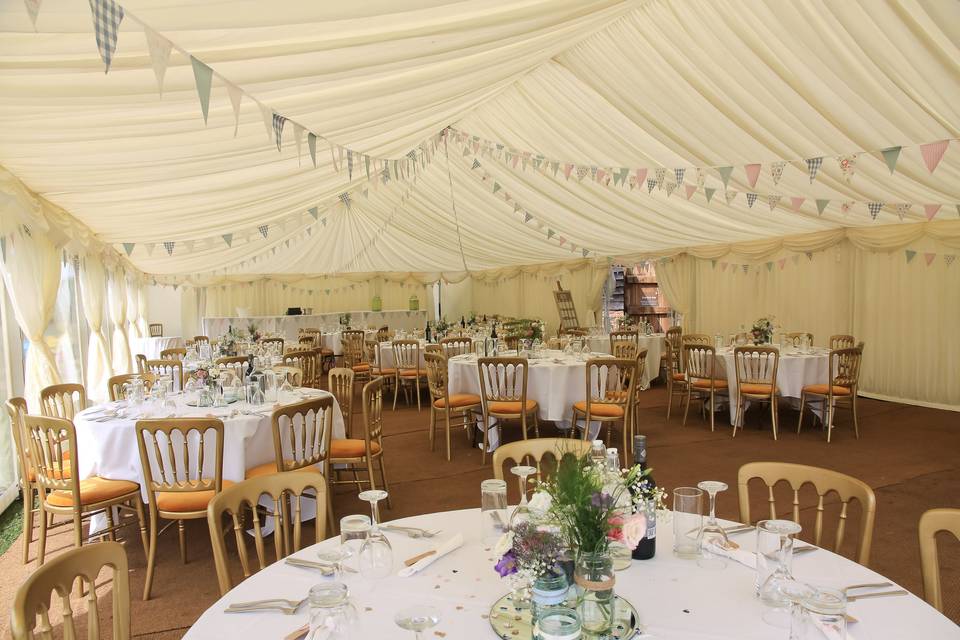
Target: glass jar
{"points": [[549, 593], [557, 624], [819, 613], [493, 510], [332, 615], [595, 578]]}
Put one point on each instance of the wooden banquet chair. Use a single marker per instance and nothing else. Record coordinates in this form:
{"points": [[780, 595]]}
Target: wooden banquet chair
{"points": [[35, 595], [695, 338], [30, 490], [383, 334], [115, 383], [442, 403], [433, 348], [455, 346], [241, 505], [179, 484], [536, 450], [199, 340], [237, 365], [141, 362], [842, 341], [351, 341], [824, 482], [406, 359], [634, 410], [933, 522], [173, 353], [63, 493], [301, 441], [340, 381], [676, 378], [360, 454], [63, 400], [701, 364], [616, 337], [307, 341], [306, 361], [503, 395], [293, 374], [276, 341], [843, 377], [794, 338], [609, 396], [172, 368], [624, 349], [756, 371], [156, 329]]}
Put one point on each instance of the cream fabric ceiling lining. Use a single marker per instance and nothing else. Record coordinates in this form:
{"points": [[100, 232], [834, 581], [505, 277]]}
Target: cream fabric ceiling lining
{"points": [[648, 83]]}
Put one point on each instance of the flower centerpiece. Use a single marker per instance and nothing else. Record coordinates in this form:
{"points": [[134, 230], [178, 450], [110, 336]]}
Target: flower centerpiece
{"points": [[228, 341], [528, 550], [253, 332], [345, 320], [762, 330], [441, 327]]}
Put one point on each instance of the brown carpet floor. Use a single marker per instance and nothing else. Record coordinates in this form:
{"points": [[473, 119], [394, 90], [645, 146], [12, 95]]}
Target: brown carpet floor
{"points": [[909, 455]]}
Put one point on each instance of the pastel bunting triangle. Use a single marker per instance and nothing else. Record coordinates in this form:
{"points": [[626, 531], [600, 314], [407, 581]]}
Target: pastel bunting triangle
{"points": [[932, 153]]}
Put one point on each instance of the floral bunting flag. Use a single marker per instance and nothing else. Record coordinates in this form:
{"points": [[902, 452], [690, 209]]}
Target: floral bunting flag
{"points": [[903, 209], [874, 208], [932, 153], [670, 188], [730, 195], [107, 16], [661, 174], [203, 75], [169, 247], [890, 156], [813, 165], [773, 200], [679, 173], [236, 95], [751, 199], [159, 48], [930, 210], [725, 173], [753, 173], [846, 206], [776, 170], [796, 202], [848, 164], [701, 178], [33, 10], [821, 205]]}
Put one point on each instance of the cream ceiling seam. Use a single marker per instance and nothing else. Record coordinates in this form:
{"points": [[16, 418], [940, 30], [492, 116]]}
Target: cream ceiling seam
{"points": [[453, 207]]}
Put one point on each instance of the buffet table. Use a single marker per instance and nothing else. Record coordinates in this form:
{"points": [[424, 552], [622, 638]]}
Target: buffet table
{"points": [[675, 599], [151, 347], [288, 326]]}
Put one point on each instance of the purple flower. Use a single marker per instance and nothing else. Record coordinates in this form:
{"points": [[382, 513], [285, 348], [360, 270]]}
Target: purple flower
{"points": [[507, 564], [601, 500]]}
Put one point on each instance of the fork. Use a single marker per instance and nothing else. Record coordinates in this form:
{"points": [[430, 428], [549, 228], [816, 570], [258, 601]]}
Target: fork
{"points": [[412, 532], [287, 607], [881, 594], [874, 585]]}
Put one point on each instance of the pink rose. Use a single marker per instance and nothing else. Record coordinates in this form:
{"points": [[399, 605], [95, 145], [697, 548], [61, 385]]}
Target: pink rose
{"points": [[634, 529], [616, 529]]}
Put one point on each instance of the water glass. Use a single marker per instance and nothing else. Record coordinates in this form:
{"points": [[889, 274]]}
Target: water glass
{"points": [[557, 624], [332, 615], [493, 510], [354, 530], [821, 614], [687, 522]]}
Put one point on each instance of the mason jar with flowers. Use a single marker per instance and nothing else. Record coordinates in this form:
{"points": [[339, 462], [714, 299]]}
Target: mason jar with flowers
{"points": [[762, 330]]}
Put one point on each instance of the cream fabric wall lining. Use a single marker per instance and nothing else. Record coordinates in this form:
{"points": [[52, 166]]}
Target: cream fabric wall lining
{"points": [[93, 285], [117, 300]]}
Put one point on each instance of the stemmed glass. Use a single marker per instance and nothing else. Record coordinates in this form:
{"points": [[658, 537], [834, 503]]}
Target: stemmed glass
{"points": [[286, 389], [418, 618], [775, 582], [376, 554], [712, 535], [522, 512]]}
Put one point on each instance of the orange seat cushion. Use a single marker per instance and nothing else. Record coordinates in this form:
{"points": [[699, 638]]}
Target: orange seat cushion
{"points": [[326, 352], [704, 383], [760, 389], [600, 409], [410, 373], [92, 491], [185, 501], [352, 448], [680, 376], [363, 366], [269, 468], [616, 395], [59, 475], [823, 389], [458, 400], [511, 407]]}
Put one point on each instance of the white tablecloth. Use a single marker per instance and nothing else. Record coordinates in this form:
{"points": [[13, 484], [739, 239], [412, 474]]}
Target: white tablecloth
{"points": [[289, 326], [794, 371], [654, 344], [676, 599], [151, 347], [109, 448]]}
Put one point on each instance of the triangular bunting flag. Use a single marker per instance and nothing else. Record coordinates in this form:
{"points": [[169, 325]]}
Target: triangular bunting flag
{"points": [[314, 211], [701, 178], [312, 148], [203, 75], [671, 187], [236, 95], [345, 199], [890, 156], [3, 248], [585, 253], [932, 153], [267, 114], [796, 202], [753, 172], [730, 195], [641, 176], [821, 205], [809, 255], [278, 122], [769, 266], [874, 208], [496, 186], [929, 258], [745, 267], [169, 247], [949, 258], [527, 217], [848, 164], [149, 246], [550, 233], [264, 229], [107, 15], [159, 48], [910, 255], [781, 263], [679, 173], [813, 165], [228, 238], [128, 247], [902, 209], [33, 10], [930, 210], [725, 173], [651, 184], [776, 170], [690, 189], [795, 259], [773, 200], [567, 169], [846, 206], [475, 165], [723, 266], [751, 199], [661, 175], [713, 264], [707, 191]]}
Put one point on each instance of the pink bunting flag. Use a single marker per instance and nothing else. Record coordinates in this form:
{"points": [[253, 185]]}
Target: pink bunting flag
{"points": [[641, 176], [723, 266], [567, 169], [600, 175], [690, 189], [932, 153], [930, 210], [796, 202], [782, 262], [753, 172], [929, 258]]}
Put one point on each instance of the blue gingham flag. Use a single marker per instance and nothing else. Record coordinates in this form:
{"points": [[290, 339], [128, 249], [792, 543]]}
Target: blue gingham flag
{"points": [[679, 174], [813, 165], [751, 198], [278, 122], [874, 208], [107, 15], [264, 230], [169, 247]]}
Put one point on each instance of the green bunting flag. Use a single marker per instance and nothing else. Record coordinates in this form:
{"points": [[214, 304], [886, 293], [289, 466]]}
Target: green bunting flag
{"points": [[312, 145], [314, 211], [890, 156], [910, 255], [725, 173], [821, 205], [128, 247], [203, 76], [228, 238], [709, 193]]}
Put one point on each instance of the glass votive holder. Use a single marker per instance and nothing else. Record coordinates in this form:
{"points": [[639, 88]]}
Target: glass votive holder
{"points": [[557, 624], [820, 615], [493, 510]]}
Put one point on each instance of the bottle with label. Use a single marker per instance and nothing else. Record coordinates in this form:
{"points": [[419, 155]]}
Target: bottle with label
{"points": [[648, 546], [463, 322], [427, 332]]}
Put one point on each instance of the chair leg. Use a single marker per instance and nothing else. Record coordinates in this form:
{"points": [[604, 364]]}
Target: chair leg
{"points": [[669, 394], [773, 414], [486, 427], [416, 388], [151, 556], [713, 407], [77, 529], [142, 521], [383, 478], [829, 408], [182, 535], [686, 406], [42, 542], [536, 424], [396, 390], [853, 408], [803, 401], [433, 427], [447, 414], [111, 532], [28, 492], [738, 415]]}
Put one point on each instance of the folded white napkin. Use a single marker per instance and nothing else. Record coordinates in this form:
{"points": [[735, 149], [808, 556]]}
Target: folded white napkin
{"points": [[748, 558], [441, 550]]}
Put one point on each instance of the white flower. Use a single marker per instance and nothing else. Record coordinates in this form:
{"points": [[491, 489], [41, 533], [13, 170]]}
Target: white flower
{"points": [[541, 502], [504, 544]]}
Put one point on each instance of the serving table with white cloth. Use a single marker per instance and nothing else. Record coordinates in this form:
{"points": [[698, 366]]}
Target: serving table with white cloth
{"points": [[655, 344], [675, 599], [152, 346], [289, 326]]}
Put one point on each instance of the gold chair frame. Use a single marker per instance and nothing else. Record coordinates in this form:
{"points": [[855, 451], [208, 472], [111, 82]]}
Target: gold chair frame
{"points": [[372, 400], [537, 449], [499, 383], [842, 341], [455, 346], [931, 523], [843, 372], [609, 384], [115, 383], [756, 365], [695, 338], [795, 337], [57, 400], [198, 340], [437, 385], [306, 361], [155, 329], [17, 410], [340, 382], [676, 378], [701, 364], [631, 336], [141, 361], [179, 352], [406, 360], [159, 369], [280, 341]]}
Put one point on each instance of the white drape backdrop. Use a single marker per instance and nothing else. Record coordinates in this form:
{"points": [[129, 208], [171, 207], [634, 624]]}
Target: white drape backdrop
{"points": [[93, 289], [117, 296], [133, 307]]}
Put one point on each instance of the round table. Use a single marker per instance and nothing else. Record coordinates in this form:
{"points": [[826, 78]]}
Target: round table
{"points": [[151, 347], [675, 598]]}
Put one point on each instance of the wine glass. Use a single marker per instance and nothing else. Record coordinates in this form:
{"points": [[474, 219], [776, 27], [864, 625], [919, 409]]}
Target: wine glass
{"points": [[775, 580], [522, 512], [376, 554], [418, 618], [712, 535], [286, 388]]}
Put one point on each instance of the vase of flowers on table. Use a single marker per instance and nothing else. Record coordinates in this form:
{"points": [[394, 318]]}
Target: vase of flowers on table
{"points": [[528, 552], [762, 330], [254, 332]]}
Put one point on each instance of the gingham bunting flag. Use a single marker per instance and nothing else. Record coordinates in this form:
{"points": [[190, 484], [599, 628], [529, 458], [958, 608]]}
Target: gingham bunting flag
{"points": [[582, 172], [527, 217], [345, 199], [264, 230], [107, 15], [730, 195], [33, 10], [159, 48], [776, 170], [813, 165], [585, 253], [751, 199], [796, 202], [671, 186], [932, 153], [848, 164], [930, 210], [821, 205], [753, 173], [661, 175], [903, 209], [475, 165], [773, 200], [679, 173], [874, 208], [745, 267], [949, 258], [169, 247], [651, 184], [278, 122], [349, 162]]}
